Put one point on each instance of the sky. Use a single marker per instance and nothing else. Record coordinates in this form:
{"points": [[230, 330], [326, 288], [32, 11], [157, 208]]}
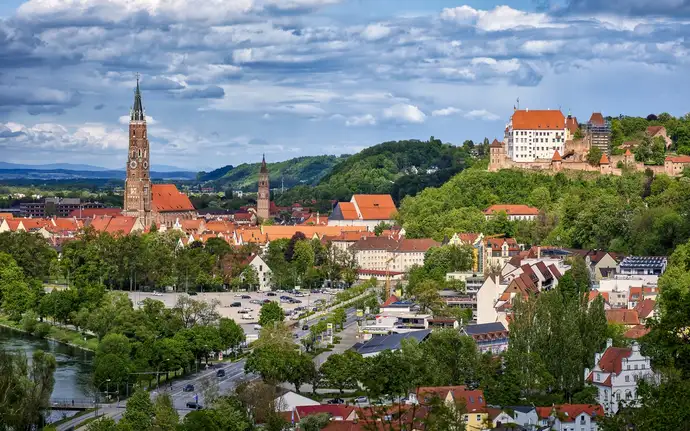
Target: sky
{"points": [[225, 81]]}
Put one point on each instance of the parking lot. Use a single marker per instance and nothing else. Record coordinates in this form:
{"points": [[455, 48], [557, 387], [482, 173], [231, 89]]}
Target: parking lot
{"points": [[247, 313]]}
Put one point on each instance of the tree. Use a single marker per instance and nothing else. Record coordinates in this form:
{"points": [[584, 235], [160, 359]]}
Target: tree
{"points": [[379, 228], [270, 313], [339, 316], [165, 414], [231, 334], [210, 389], [342, 371], [102, 424], [139, 412], [427, 295], [315, 422], [290, 246], [300, 369], [250, 278], [594, 156], [14, 290]]}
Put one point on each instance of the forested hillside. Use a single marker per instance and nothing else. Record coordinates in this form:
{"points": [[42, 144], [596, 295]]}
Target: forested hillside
{"points": [[635, 213], [301, 170], [401, 168], [626, 129]]}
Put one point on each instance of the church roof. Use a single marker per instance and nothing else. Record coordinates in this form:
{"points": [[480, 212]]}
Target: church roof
{"points": [[138, 107], [264, 169], [166, 197]]}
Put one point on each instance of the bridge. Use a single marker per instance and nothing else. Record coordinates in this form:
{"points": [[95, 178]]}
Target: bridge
{"points": [[72, 403]]}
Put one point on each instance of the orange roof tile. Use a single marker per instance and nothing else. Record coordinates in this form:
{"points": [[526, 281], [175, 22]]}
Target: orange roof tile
{"points": [[627, 152], [122, 224], [597, 119], [538, 120], [512, 210], [556, 157], [623, 316], [636, 332], [375, 207], [220, 226], [166, 197], [570, 412], [6, 216], [678, 159], [348, 210], [496, 144], [571, 124], [653, 130], [604, 159], [645, 307], [612, 359]]}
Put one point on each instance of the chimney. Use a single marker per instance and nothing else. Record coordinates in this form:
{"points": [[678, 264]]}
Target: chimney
{"points": [[609, 343], [538, 252]]}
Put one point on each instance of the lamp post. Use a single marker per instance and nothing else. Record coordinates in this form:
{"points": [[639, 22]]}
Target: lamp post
{"points": [[98, 390]]}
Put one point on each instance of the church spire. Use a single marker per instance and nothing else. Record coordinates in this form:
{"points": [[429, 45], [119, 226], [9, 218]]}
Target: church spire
{"points": [[138, 108], [264, 169]]}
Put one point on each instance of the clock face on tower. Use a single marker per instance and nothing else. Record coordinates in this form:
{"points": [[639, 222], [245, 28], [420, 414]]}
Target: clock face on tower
{"points": [[133, 164]]}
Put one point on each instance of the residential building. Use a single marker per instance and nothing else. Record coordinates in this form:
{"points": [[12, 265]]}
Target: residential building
{"points": [[646, 309], [489, 337], [497, 251], [601, 264], [55, 207], [387, 254], [290, 400], [536, 134], [477, 243], [623, 316], [364, 210], [571, 126], [524, 416], [637, 294], [643, 265], [378, 344], [336, 412], [675, 165], [473, 400], [262, 271], [514, 212], [570, 417], [598, 133], [615, 375], [122, 225], [659, 132]]}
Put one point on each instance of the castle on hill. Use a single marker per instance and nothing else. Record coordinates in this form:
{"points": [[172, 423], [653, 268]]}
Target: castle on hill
{"points": [[545, 140]]}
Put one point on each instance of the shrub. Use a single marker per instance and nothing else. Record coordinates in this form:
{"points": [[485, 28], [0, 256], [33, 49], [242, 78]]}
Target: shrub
{"points": [[42, 330], [28, 321]]}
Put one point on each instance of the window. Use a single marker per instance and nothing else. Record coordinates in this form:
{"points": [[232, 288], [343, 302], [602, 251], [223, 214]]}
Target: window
{"points": [[479, 418], [635, 366], [627, 378]]}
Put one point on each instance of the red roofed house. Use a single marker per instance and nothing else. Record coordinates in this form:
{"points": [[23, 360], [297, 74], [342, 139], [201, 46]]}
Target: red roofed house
{"points": [[535, 134], [674, 165], [616, 373], [623, 316], [364, 210], [570, 417], [646, 309], [514, 212], [659, 131], [474, 402], [152, 203], [122, 225]]}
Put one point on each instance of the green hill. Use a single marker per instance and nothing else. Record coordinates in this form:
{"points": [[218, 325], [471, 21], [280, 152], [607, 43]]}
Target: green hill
{"points": [[298, 171]]}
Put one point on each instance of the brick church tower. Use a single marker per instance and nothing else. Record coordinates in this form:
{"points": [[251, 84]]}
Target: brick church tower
{"points": [[138, 184], [263, 201]]}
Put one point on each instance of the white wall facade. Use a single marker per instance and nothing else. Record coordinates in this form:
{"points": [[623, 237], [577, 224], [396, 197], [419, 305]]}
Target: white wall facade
{"points": [[263, 271], [527, 145], [487, 296]]}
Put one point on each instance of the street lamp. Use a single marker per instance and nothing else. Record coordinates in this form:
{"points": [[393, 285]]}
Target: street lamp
{"points": [[98, 390]]}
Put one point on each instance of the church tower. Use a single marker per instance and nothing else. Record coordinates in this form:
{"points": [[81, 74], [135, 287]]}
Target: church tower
{"points": [[138, 184], [263, 201]]}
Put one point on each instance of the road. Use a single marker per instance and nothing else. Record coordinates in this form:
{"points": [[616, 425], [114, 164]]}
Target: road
{"points": [[234, 374]]}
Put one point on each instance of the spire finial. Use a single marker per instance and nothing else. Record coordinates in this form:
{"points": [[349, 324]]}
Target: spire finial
{"points": [[137, 113]]}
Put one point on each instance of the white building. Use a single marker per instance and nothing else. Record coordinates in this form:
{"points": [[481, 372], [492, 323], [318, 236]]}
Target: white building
{"points": [[532, 135], [570, 417], [616, 373], [364, 210], [384, 253], [513, 212], [263, 271]]}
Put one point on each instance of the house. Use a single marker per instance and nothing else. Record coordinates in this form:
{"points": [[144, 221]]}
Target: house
{"points": [[364, 210], [336, 412], [489, 337], [622, 316], [290, 400], [601, 264], [524, 416], [659, 132], [122, 225], [535, 134], [674, 165], [514, 212], [637, 331], [643, 265], [646, 309], [497, 251], [263, 272], [570, 417], [477, 243], [640, 293], [474, 402], [378, 344], [388, 254], [616, 373]]}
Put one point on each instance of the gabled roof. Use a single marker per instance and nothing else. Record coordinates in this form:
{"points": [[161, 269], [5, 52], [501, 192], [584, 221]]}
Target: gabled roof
{"points": [[496, 144], [627, 152], [645, 307], [556, 157], [538, 120], [331, 409], [166, 198], [622, 316], [348, 211], [678, 159], [474, 399], [391, 299], [612, 359], [594, 294], [570, 412], [636, 332], [604, 159], [375, 207], [417, 244], [653, 130], [512, 209], [597, 119], [571, 124]]}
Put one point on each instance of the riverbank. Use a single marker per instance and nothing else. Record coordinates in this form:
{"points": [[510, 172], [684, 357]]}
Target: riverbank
{"points": [[58, 334]]}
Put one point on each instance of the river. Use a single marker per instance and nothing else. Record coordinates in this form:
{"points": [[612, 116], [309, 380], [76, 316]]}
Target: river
{"points": [[74, 366]]}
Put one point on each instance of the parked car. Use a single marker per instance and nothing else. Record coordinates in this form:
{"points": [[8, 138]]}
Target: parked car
{"points": [[220, 373], [266, 301], [295, 301], [286, 299], [194, 405], [336, 401], [191, 293], [188, 388], [246, 297], [245, 310], [300, 308], [156, 293], [257, 327], [295, 335], [271, 294], [247, 316], [255, 301], [361, 400], [305, 327], [236, 304]]}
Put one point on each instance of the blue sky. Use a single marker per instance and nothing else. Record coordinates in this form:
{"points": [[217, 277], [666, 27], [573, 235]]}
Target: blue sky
{"points": [[227, 80]]}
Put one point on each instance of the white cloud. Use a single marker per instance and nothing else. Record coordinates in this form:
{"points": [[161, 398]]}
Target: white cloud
{"points": [[481, 114], [375, 32], [94, 137], [498, 19], [542, 46], [445, 112], [363, 120], [403, 112]]}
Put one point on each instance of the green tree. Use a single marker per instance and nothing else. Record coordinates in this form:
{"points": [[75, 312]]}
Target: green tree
{"points": [[250, 278], [342, 371], [379, 228], [139, 412], [594, 156], [164, 413], [14, 290], [231, 334], [102, 424], [270, 313], [315, 422]]}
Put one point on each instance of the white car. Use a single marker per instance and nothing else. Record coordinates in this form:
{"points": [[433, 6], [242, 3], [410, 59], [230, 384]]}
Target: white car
{"points": [[247, 316], [257, 327], [155, 293], [245, 310]]}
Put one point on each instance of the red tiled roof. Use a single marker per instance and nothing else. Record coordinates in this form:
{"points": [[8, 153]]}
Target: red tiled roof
{"points": [[415, 245], [627, 152], [556, 273], [623, 316], [348, 210], [474, 399], [597, 119], [538, 120], [612, 359], [375, 207], [512, 210], [391, 299], [636, 292], [166, 197], [543, 412], [645, 307], [636, 332], [331, 409], [678, 159], [121, 224], [653, 130], [496, 144], [571, 124], [94, 212], [570, 412], [556, 157], [593, 294], [468, 237], [604, 159]]}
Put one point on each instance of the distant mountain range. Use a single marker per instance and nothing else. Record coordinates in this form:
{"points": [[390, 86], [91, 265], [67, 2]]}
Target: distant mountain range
{"points": [[80, 167]]}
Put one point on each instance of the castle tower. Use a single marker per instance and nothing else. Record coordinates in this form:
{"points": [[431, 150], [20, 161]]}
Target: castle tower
{"points": [[556, 162], [496, 155], [138, 184], [263, 200]]}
